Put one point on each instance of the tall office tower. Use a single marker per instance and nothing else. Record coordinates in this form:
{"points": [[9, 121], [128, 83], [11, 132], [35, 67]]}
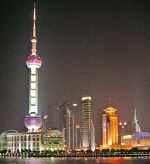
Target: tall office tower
{"points": [[92, 136], [109, 127], [85, 130], [66, 124], [77, 136], [69, 133], [33, 121], [122, 129], [135, 124]]}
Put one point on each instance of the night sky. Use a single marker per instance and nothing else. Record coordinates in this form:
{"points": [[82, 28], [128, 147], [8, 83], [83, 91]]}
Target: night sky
{"points": [[99, 48]]}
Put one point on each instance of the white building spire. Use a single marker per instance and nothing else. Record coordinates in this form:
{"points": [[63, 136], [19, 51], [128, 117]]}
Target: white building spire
{"points": [[34, 21], [34, 38], [135, 123], [135, 118]]}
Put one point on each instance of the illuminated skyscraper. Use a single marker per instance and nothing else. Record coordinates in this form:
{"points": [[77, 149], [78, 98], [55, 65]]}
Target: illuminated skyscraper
{"points": [[86, 123], [109, 127], [33, 121], [135, 124]]}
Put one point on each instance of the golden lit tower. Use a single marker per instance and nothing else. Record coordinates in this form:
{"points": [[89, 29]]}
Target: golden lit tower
{"points": [[109, 127]]}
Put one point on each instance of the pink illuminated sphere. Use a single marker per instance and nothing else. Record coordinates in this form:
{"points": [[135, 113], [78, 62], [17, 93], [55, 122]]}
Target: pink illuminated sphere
{"points": [[34, 60]]}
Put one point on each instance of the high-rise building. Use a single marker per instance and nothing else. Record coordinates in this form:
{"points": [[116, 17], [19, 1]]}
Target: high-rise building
{"points": [[85, 130], [33, 121], [69, 129], [66, 124], [135, 124], [77, 136], [109, 127]]}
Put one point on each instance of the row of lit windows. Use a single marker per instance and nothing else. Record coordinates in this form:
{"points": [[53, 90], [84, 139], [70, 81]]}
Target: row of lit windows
{"points": [[23, 138], [23, 144], [23, 148]]}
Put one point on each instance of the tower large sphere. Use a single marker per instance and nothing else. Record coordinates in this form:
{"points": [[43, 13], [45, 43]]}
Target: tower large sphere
{"points": [[34, 60]]}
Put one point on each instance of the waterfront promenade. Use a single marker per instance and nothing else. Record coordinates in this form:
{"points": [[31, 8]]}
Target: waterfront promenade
{"points": [[89, 153]]}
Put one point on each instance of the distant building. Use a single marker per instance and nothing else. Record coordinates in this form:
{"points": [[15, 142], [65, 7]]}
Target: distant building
{"points": [[67, 124], [135, 124], [77, 136], [69, 131], [86, 126], [138, 139], [53, 139], [109, 127]]}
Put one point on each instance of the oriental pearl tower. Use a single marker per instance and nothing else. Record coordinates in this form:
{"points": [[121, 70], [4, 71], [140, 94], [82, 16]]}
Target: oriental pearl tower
{"points": [[33, 121]]}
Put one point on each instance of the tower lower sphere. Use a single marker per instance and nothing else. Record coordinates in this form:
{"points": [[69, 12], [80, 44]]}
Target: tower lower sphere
{"points": [[33, 122]]}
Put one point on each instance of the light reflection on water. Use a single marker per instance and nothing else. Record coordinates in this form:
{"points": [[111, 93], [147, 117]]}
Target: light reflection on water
{"points": [[113, 160]]}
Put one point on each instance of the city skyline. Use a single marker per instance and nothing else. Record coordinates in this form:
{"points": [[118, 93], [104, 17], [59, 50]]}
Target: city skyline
{"points": [[73, 62]]}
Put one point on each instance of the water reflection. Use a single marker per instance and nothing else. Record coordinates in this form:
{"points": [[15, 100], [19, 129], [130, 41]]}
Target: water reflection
{"points": [[114, 160]]}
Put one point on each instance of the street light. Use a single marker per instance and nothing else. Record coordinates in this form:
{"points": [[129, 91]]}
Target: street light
{"points": [[44, 122], [45, 117]]}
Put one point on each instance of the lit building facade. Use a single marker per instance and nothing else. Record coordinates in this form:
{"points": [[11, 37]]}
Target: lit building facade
{"points": [[86, 125], [51, 139], [109, 127], [138, 139], [16, 142]]}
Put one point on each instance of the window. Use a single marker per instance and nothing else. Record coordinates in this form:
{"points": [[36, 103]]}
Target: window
{"points": [[25, 138], [33, 78], [33, 101], [33, 137], [29, 138], [33, 70], [33, 93], [37, 137]]}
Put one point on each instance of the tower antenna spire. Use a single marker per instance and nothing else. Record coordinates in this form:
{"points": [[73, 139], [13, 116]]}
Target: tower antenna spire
{"points": [[34, 38], [34, 20]]}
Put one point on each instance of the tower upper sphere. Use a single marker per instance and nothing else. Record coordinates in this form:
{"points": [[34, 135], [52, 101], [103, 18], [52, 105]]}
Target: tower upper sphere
{"points": [[34, 60]]}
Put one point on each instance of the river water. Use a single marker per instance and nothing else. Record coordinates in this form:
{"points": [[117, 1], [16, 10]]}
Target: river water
{"points": [[114, 160]]}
